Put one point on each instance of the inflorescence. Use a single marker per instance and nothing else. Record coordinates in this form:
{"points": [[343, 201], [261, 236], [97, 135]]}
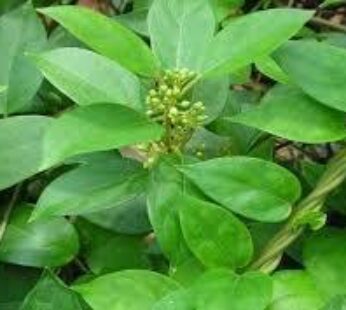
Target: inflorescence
{"points": [[167, 105]]}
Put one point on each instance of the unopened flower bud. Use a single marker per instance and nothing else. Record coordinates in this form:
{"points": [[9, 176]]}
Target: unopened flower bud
{"points": [[198, 105], [149, 113], [176, 91], [201, 118], [173, 111], [163, 88], [152, 92], [185, 104]]}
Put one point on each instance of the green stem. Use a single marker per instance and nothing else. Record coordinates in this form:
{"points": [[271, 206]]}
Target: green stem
{"points": [[334, 175]]}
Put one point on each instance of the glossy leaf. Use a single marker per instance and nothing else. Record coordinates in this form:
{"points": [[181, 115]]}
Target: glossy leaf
{"points": [[311, 64], [337, 303], [213, 93], [166, 185], [106, 251], [20, 31], [16, 282], [267, 66], [188, 271], [241, 43], [131, 290], [106, 36], [129, 218], [324, 258], [136, 20], [224, 290], [295, 290], [96, 128], [214, 235], [287, 112], [21, 137], [251, 187], [88, 78], [178, 300], [43, 243], [101, 184], [50, 293], [180, 30]]}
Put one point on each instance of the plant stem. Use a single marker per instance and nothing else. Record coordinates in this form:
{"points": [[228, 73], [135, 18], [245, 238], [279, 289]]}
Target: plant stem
{"points": [[8, 210], [324, 22], [334, 175]]}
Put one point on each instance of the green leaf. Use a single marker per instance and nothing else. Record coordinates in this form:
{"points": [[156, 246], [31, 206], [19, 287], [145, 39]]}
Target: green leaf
{"points": [[295, 290], [188, 271], [337, 303], [337, 39], [135, 20], [93, 128], [214, 235], [101, 184], [88, 78], [311, 64], [142, 4], [21, 139], [130, 290], [129, 218], [251, 187], [105, 251], [16, 282], [20, 31], [43, 243], [224, 290], [178, 300], [166, 184], [241, 42], [324, 258], [7, 5], [180, 30], [50, 293], [106, 36], [206, 145], [213, 93], [287, 112], [267, 66], [224, 8]]}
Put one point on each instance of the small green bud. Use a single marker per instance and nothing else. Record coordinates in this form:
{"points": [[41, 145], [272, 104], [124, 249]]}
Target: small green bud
{"points": [[169, 93], [173, 111], [152, 92], [201, 118], [163, 88], [198, 105], [199, 154], [191, 75], [176, 91], [185, 104], [150, 113], [155, 101]]}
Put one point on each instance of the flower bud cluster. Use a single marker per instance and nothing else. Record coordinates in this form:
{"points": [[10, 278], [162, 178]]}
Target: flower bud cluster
{"points": [[166, 105]]}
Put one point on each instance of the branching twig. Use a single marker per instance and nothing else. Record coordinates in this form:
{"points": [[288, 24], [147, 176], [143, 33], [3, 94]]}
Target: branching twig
{"points": [[331, 179]]}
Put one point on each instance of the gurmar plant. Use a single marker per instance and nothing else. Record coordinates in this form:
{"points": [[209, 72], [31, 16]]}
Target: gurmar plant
{"points": [[167, 104]]}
